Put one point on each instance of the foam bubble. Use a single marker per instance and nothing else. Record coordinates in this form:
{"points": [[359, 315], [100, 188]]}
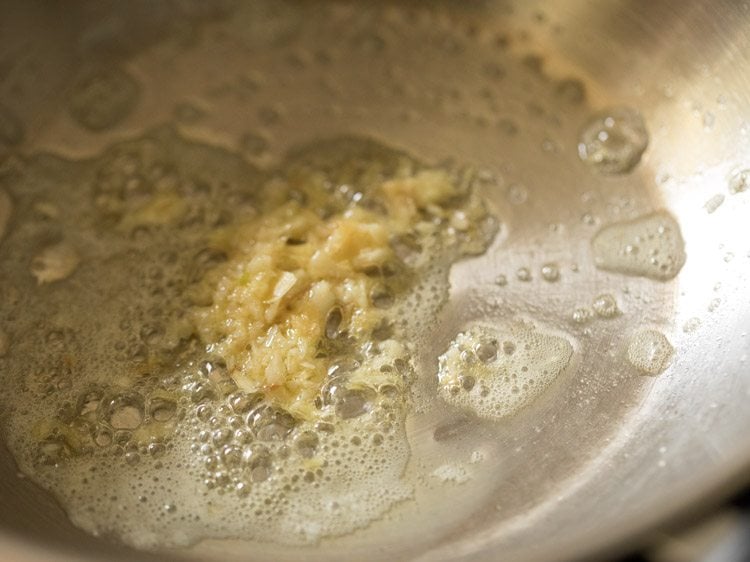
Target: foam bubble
{"points": [[650, 352], [498, 385], [55, 263], [613, 141], [349, 480], [550, 272], [605, 306], [454, 473], [138, 428], [739, 181], [649, 246]]}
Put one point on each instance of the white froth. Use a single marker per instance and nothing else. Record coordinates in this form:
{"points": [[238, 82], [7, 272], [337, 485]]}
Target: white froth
{"points": [[649, 246], [650, 352], [164, 503], [451, 473], [613, 141], [145, 438], [495, 371]]}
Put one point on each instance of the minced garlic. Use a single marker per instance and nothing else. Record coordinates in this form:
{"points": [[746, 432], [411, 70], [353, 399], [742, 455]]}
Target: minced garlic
{"points": [[300, 281]]}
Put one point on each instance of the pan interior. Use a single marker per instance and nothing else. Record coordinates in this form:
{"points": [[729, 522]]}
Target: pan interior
{"points": [[509, 90]]}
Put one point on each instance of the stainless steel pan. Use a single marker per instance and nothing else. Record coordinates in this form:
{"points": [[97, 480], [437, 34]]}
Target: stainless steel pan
{"points": [[610, 456]]}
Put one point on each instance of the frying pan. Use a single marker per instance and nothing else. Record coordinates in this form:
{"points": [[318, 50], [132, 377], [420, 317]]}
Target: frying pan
{"points": [[608, 456]]}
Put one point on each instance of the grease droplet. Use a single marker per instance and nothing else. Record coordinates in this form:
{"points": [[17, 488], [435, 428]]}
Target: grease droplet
{"points": [[613, 141], [649, 246], [550, 272], [713, 203], [649, 351]]}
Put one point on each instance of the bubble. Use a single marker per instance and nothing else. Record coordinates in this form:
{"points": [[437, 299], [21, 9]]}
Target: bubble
{"points": [[517, 194], [256, 455], [53, 450], [88, 403], [467, 382], [333, 322], [530, 361], [613, 141], [714, 203], [122, 411], [739, 181], [221, 436], [605, 306], [200, 392], [691, 325], [102, 97], [231, 455], [203, 412], [456, 474], [501, 281], [55, 263], [103, 437], [650, 246], [306, 443], [581, 315], [132, 458], [335, 385], [650, 352], [352, 403], [155, 449], [588, 219], [523, 274], [486, 351], [242, 403], [550, 272], [270, 423], [162, 409]]}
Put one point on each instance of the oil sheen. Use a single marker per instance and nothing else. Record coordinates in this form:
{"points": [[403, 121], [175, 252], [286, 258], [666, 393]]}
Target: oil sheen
{"points": [[202, 343], [247, 371]]}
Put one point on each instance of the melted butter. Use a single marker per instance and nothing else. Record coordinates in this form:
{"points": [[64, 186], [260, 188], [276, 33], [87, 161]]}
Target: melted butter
{"points": [[494, 371], [649, 246], [252, 344]]}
